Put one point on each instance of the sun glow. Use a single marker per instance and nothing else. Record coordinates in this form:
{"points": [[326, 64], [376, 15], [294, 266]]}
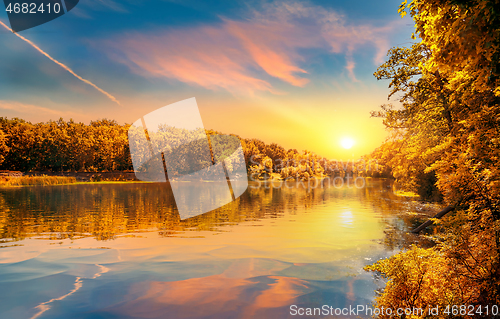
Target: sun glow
{"points": [[347, 142]]}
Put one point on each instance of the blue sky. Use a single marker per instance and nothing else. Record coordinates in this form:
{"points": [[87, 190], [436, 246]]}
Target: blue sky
{"points": [[294, 72]]}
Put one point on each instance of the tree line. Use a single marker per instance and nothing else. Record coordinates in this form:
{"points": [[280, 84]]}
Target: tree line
{"points": [[63, 146], [103, 145]]}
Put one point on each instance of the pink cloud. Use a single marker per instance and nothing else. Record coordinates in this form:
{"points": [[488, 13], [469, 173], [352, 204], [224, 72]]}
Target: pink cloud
{"points": [[244, 57], [204, 57], [206, 296], [271, 47], [350, 68]]}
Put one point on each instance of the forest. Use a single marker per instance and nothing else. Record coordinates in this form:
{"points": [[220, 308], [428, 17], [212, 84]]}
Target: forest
{"points": [[103, 146], [445, 142]]}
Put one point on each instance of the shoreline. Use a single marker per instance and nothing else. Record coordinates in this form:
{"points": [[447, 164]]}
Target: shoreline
{"points": [[47, 178]]}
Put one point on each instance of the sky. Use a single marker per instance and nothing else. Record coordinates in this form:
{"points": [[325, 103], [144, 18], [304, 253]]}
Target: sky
{"points": [[296, 73]]}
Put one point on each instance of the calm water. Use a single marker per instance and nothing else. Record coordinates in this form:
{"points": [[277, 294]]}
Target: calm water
{"points": [[121, 251]]}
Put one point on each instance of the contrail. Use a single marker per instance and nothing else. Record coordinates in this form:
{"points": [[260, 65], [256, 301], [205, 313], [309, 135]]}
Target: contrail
{"points": [[62, 65]]}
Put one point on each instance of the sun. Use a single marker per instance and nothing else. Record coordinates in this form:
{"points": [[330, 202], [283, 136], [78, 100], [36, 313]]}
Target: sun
{"points": [[347, 142]]}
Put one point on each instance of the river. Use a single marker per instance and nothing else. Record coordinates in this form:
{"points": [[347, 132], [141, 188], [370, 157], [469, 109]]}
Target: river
{"points": [[120, 250]]}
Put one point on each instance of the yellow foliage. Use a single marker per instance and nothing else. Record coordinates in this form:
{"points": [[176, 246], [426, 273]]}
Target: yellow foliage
{"points": [[448, 126], [36, 180]]}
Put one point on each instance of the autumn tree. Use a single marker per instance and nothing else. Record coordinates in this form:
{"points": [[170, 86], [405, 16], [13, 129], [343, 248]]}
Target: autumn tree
{"points": [[4, 149], [420, 126], [103, 145], [449, 125], [62, 146]]}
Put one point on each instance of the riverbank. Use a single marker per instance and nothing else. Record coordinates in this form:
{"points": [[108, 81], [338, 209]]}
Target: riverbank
{"points": [[36, 180], [79, 176], [16, 178]]}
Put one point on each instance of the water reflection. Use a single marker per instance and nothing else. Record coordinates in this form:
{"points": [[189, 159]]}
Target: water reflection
{"points": [[271, 248], [105, 211]]}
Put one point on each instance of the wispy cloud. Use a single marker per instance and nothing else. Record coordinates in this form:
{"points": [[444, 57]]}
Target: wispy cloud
{"points": [[109, 4], [30, 109], [248, 56], [85, 9]]}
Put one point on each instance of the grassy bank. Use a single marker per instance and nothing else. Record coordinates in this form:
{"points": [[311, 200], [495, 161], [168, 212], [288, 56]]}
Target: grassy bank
{"points": [[36, 180]]}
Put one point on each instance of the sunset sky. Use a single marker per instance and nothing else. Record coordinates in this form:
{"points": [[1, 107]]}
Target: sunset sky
{"points": [[298, 73]]}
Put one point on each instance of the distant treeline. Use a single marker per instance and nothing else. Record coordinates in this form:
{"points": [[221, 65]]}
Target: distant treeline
{"points": [[103, 145], [63, 146]]}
